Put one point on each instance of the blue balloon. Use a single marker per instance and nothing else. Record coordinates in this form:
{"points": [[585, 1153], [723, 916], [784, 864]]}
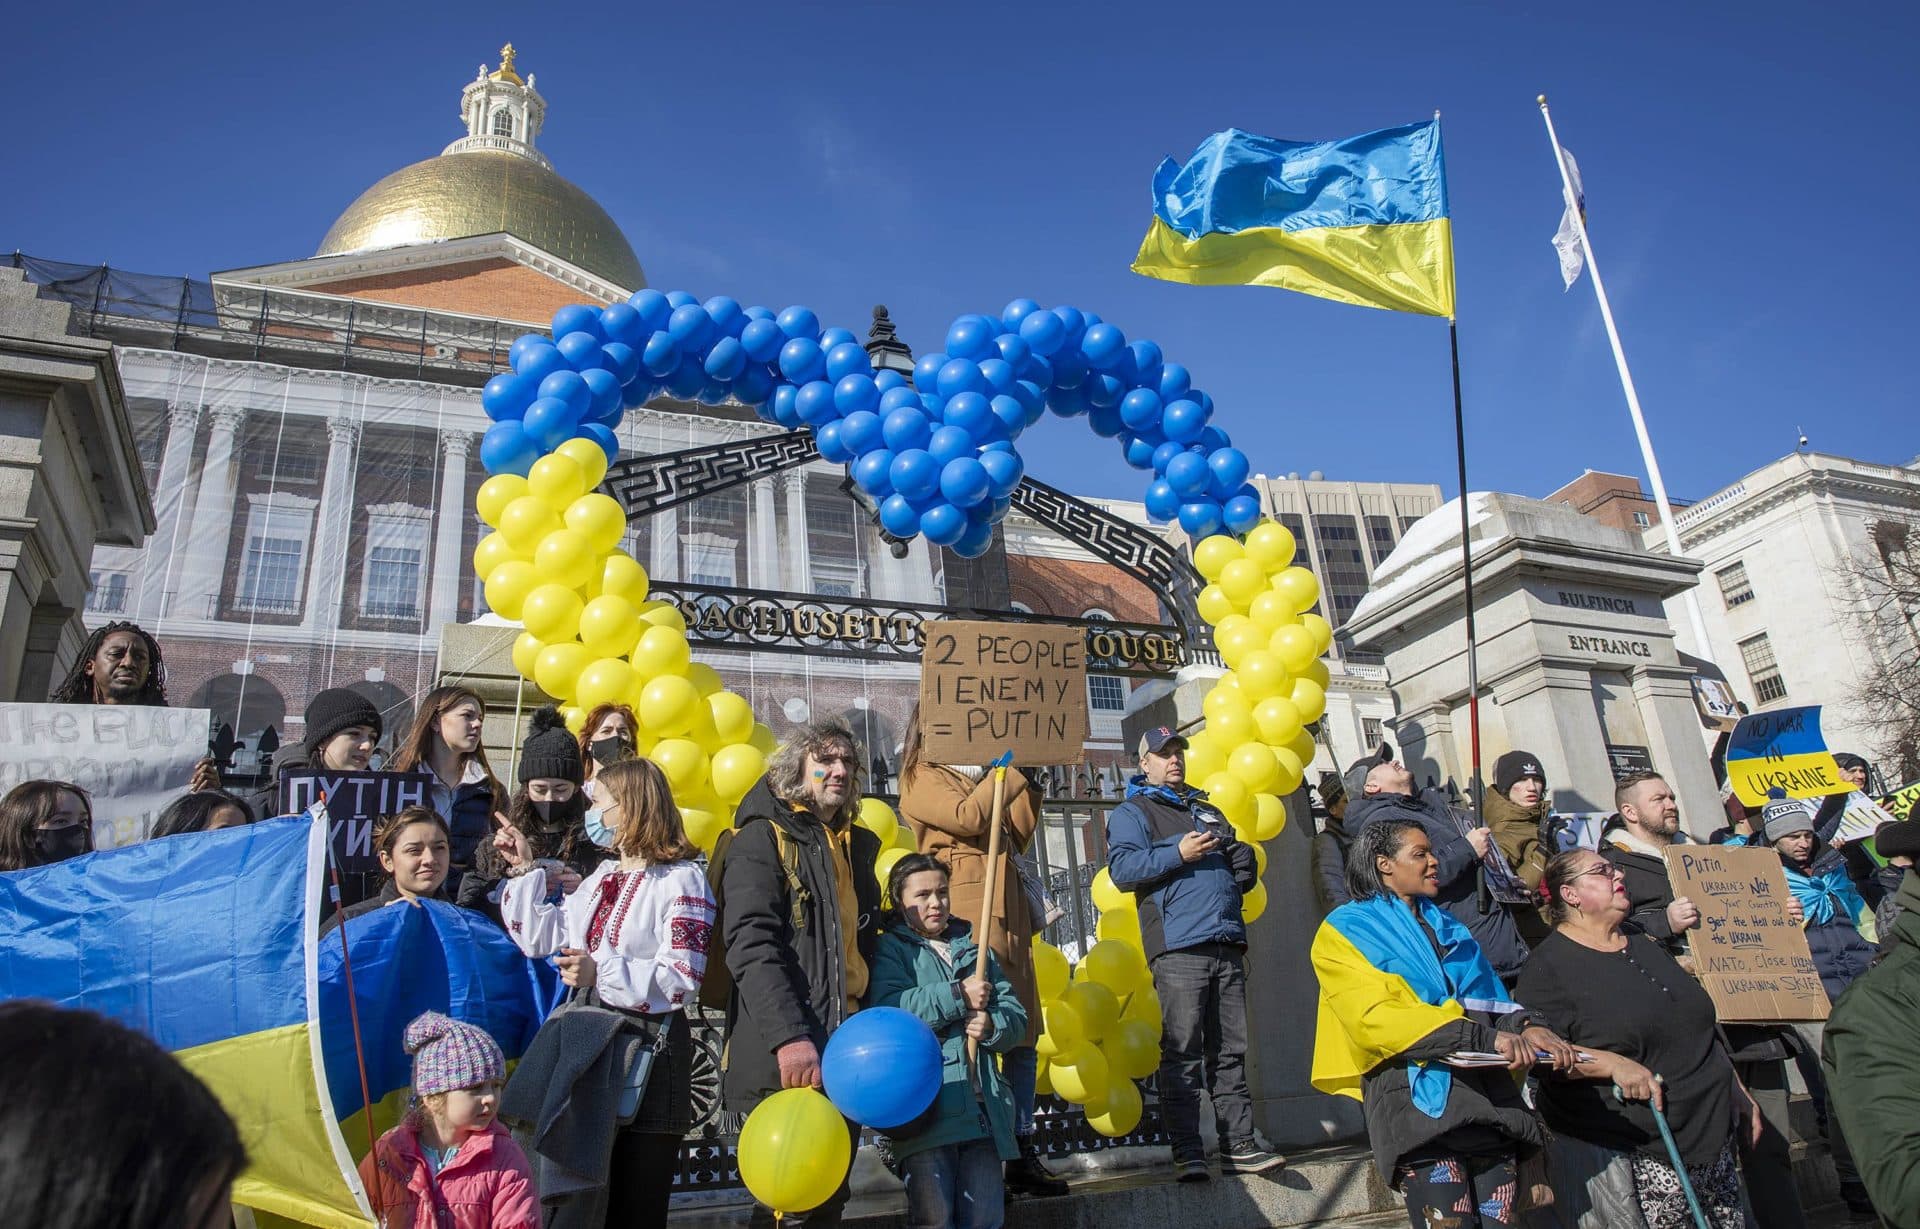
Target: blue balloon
{"points": [[846, 359], [1016, 312], [686, 380], [801, 360], [862, 431], [960, 375], [888, 379], [1241, 513], [905, 428], [569, 387], [998, 374], [1212, 439], [523, 346], [974, 540], [898, 516], [762, 340], [914, 473], [578, 318], [1163, 454], [830, 338], [1140, 409], [725, 314], [855, 392], [799, 322], [1005, 446], [1174, 382], [581, 350], [783, 411], [1014, 352], [660, 356], [1104, 391], [963, 482], [934, 406], [1044, 331], [1073, 322], [603, 436], [1037, 369], [541, 362], [690, 326], [871, 472], [621, 323], [926, 372], [969, 411], [753, 385], [1012, 415], [1162, 503], [637, 392], [1070, 369], [1201, 518], [506, 449], [1105, 420], [814, 403], [949, 444], [621, 359], [653, 308], [603, 393], [507, 396], [1068, 402], [893, 398], [1004, 471], [726, 360], [1139, 452], [943, 525], [971, 336], [713, 392], [550, 422], [1230, 468], [1183, 421], [680, 298], [1103, 345], [759, 313], [1188, 475], [831, 442]]}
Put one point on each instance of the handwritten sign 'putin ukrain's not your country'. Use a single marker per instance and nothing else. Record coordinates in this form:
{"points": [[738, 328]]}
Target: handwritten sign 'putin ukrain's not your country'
{"points": [[986, 688], [1747, 952], [1782, 749]]}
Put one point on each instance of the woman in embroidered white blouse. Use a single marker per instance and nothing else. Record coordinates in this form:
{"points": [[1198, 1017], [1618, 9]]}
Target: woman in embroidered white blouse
{"points": [[635, 932]]}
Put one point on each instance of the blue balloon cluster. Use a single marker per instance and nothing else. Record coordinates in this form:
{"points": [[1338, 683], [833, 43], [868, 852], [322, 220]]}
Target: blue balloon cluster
{"points": [[936, 453]]}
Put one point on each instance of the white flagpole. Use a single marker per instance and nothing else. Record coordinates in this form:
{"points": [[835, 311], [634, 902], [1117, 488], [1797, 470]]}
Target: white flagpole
{"points": [[1626, 383]]}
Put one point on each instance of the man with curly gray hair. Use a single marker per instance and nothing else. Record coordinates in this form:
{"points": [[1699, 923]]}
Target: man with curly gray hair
{"points": [[799, 915]]}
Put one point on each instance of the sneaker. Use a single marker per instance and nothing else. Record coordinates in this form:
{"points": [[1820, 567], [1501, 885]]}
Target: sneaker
{"points": [[1250, 1158], [1194, 1171], [1030, 1176]]}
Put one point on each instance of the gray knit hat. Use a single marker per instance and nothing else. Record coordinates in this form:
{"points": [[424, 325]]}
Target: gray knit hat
{"points": [[1785, 815], [448, 1054]]}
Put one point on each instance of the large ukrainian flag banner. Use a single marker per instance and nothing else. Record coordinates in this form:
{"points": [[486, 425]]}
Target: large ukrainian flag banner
{"points": [[1362, 220], [207, 943]]}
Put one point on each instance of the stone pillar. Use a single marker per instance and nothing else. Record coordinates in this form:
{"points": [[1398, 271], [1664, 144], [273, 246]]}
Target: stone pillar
{"points": [[1424, 742], [183, 425], [798, 572], [1548, 709], [1664, 695], [449, 561], [211, 529], [663, 553], [327, 565], [763, 543]]}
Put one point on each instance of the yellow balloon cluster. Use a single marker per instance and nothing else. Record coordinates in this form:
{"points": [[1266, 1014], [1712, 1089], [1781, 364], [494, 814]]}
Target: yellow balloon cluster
{"points": [[554, 562], [1101, 1024]]}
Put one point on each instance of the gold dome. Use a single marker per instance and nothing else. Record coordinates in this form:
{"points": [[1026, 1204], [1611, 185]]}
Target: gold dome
{"points": [[455, 196]]}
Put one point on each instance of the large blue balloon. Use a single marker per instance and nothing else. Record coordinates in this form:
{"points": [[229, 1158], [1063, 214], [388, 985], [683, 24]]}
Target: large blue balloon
{"points": [[762, 340], [1044, 332], [507, 396], [621, 359], [963, 482], [753, 385], [621, 323], [958, 376], [914, 473], [653, 308], [578, 318], [1175, 383], [999, 375], [1014, 352], [828, 438], [898, 516], [974, 540], [855, 392], [660, 356], [1012, 415], [1241, 513], [801, 360], [1105, 420], [1200, 518], [506, 449], [905, 428], [926, 372], [871, 470], [523, 346], [971, 412], [1004, 471], [893, 398], [971, 337], [1183, 421], [603, 393], [567, 386], [726, 315], [1017, 311], [862, 431], [604, 437], [1162, 503], [1104, 391], [1103, 345], [943, 525], [846, 359], [949, 444], [539, 362], [830, 339], [799, 322], [1230, 468], [1188, 475], [1140, 409], [581, 350], [814, 403], [726, 360], [1138, 451]]}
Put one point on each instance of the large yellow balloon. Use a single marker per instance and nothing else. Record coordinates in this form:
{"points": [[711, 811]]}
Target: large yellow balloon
{"points": [[598, 519], [664, 614], [1322, 632], [1133, 1051], [526, 651], [1292, 771], [1260, 853], [1310, 698], [732, 716], [1214, 605], [1254, 764], [1097, 1006], [1318, 672], [1271, 545], [495, 494], [794, 1151], [1299, 587], [609, 625], [1050, 969], [588, 456], [763, 738], [883, 870], [1303, 748], [557, 479], [736, 769], [1238, 641], [1119, 1112], [703, 826], [706, 680], [1243, 580], [564, 558], [1042, 1079], [1120, 925], [1294, 646], [1108, 898], [1062, 1033], [1269, 815], [1278, 720], [508, 586], [878, 818], [527, 520], [668, 706], [1262, 674], [662, 650], [1228, 792], [1145, 1007], [557, 669], [1204, 757], [1114, 965], [1218, 701], [1234, 726], [903, 838], [605, 681], [622, 576], [1254, 903], [1085, 1079], [1271, 611], [552, 612], [684, 763], [492, 551], [1212, 555]]}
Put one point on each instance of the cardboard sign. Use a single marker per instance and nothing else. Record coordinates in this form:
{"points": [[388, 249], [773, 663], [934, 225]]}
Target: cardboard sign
{"points": [[131, 759], [1899, 803], [1782, 749], [1861, 819], [355, 803], [1747, 952], [986, 688], [1716, 704]]}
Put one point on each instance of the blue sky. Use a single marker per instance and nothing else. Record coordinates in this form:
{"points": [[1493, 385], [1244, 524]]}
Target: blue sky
{"points": [[1745, 166]]}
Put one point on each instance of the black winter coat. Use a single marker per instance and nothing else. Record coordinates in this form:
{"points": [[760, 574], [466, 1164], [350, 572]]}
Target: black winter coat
{"points": [[1330, 865], [788, 982], [1649, 892]]}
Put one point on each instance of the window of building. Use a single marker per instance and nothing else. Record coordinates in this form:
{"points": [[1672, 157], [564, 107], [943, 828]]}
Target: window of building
{"points": [[108, 594], [393, 577], [711, 563], [1762, 669], [1346, 573], [833, 542], [1373, 732], [1642, 520], [1735, 588], [1406, 523], [273, 562], [1298, 528], [1380, 537], [503, 123], [1106, 693]]}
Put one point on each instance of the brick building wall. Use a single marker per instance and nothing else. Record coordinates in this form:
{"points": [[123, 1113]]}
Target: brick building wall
{"points": [[495, 287], [1070, 587]]}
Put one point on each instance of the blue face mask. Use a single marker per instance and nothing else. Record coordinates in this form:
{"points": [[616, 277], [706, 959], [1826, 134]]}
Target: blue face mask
{"points": [[595, 822]]}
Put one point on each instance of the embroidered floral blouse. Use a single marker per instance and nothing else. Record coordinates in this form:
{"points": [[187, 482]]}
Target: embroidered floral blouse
{"points": [[647, 930]]}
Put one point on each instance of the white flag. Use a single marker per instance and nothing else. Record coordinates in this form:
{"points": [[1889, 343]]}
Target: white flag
{"points": [[1566, 240]]}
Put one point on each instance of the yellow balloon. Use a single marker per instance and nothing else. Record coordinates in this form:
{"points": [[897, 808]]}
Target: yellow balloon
{"points": [[557, 669], [564, 558], [495, 494], [794, 1151], [1043, 1080], [526, 650], [1212, 555], [1304, 748], [1271, 545], [1234, 726], [605, 681], [736, 769], [1229, 682], [1061, 1033], [1120, 925], [662, 650], [1292, 771], [552, 612], [1260, 852], [1318, 672], [1229, 793], [701, 730], [1309, 699], [1269, 816], [622, 576], [526, 521], [1322, 632], [1114, 965], [1298, 586], [664, 614], [732, 715], [507, 588], [1218, 701], [1107, 897], [1238, 642], [493, 550], [1119, 1112], [883, 869], [763, 738], [684, 763], [1204, 757], [1214, 605], [903, 838], [557, 479], [1271, 611], [1133, 1051], [609, 625], [1293, 645], [1262, 675], [668, 705], [1050, 970], [703, 826], [1085, 1079], [1278, 720], [1242, 581], [576, 718], [706, 680], [1254, 764], [878, 818], [1145, 1007], [598, 519], [1254, 903], [1097, 1006], [588, 456]]}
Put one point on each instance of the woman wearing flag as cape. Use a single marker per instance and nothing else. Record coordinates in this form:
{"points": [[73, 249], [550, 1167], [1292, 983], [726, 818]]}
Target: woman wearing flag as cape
{"points": [[1415, 1024]]}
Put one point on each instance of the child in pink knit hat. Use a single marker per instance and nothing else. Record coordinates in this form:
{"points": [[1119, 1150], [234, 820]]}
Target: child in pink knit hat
{"points": [[449, 1165]]}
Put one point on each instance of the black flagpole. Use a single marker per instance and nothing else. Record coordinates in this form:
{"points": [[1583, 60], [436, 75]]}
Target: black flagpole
{"points": [[1466, 571]]}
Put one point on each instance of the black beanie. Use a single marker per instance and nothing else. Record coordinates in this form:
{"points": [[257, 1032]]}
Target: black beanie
{"points": [[550, 750], [334, 710], [1513, 767]]}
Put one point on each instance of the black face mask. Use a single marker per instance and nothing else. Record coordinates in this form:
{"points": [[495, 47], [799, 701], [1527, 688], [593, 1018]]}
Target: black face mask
{"points": [[544, 807], [613, 750], [59, 844]]}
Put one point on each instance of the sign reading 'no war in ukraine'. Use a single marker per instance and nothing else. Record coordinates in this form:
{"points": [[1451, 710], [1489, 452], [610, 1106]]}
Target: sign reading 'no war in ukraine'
{"points": [[1782, 749]]}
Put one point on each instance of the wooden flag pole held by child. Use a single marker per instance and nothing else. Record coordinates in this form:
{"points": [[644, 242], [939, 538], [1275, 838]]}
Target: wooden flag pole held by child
{"points": [[994, 862]]}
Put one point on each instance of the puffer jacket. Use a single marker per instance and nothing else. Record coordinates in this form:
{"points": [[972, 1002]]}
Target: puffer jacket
{"points": [[1834, 911], [909, 974], [1182, 904], [1461, 892], [1330, 847], [787, 958], [1516, 830], [487, 1184], [1867, 1056]]}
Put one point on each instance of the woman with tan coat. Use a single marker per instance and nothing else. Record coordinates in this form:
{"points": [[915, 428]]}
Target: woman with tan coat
{"points": [[950, 809]]}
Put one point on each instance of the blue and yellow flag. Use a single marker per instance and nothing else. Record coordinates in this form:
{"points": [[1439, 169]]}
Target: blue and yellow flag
{"points": [[205, 942], [1782, 749], [1362, 220]]}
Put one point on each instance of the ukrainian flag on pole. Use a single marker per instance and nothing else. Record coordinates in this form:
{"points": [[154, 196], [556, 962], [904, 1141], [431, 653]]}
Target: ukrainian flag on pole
{"points": [[1363, 220], [207, 943]]}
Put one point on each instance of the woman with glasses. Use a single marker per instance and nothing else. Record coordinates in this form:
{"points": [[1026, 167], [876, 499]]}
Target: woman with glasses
{"points": [[1642, 1025]]}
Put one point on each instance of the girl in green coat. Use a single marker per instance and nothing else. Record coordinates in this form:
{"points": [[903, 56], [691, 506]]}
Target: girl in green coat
{"points": [[952, 1155]]}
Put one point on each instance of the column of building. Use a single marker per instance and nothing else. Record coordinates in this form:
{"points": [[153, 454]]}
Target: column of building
{"points": [[763, 544], [211, 529], [170, 496], [449, 560], [663, 553], [798, 572], [327, 567]]}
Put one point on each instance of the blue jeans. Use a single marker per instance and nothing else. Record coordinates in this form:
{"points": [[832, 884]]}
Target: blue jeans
{"points": [[958, 1186], [1020, 1067]]}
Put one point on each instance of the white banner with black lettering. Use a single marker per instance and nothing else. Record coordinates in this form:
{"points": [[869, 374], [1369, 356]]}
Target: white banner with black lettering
{"points": [[132, 760]]}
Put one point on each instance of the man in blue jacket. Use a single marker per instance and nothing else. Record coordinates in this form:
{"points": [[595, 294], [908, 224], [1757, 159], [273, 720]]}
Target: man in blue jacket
{"points": [[1177, 854]]}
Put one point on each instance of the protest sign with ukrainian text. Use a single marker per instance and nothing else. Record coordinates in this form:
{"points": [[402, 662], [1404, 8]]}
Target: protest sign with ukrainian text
{"points": [[1782, 749]]}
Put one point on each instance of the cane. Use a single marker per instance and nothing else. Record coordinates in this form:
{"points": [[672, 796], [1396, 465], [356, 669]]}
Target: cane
{"points": [[999, 767], [1673, 1153]]}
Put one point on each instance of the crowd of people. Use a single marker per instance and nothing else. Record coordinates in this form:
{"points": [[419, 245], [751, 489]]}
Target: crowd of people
{"points": [[1515, 1012]]}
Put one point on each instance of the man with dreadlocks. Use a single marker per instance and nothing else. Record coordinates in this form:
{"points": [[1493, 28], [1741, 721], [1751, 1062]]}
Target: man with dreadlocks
{"points": [[121, 664]]}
